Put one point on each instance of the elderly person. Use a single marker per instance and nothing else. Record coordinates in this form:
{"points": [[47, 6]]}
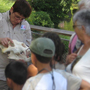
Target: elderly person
{"points": [[84, 4], [75, 43], [81, 26]]}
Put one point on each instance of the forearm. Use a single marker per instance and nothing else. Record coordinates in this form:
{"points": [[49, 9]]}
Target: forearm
{"points": [[85, 85]]}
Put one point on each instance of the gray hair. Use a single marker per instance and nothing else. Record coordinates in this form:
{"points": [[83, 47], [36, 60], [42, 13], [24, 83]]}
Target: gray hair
{"points": [[82, 17], [84, 4]]}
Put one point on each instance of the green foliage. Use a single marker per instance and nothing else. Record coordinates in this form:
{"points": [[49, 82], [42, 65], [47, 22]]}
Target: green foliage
{"points": [[69, 25], [57, 9], [5, 5], [75, 1], [74, 6], [40, 18], [66, 25]]}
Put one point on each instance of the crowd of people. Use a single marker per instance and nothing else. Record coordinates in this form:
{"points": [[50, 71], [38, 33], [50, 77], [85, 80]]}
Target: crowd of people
{"points": [[46, 71]]}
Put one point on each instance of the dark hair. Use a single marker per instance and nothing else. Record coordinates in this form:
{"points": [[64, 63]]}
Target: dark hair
{"points": [[17, 71], [43, 59], [22, 7], [59, 46]]}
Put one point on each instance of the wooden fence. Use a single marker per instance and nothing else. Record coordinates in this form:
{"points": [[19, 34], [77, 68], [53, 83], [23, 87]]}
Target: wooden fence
{"points": [[58, 31], [46, 29]]}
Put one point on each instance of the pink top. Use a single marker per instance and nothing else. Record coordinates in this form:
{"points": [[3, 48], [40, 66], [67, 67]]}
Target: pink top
{"points": [[73, 42]]}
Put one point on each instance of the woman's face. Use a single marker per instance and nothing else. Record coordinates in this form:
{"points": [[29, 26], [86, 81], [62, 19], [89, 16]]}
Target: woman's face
{"points": [[78, 30], [15, 17]]}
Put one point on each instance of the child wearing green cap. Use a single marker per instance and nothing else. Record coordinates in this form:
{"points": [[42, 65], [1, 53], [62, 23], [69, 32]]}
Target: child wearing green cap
{"points": [[58, 61], [42, 52]]}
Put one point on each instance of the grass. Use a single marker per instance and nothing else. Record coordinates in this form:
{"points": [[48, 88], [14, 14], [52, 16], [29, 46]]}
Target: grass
{"points": [[5, 5]]}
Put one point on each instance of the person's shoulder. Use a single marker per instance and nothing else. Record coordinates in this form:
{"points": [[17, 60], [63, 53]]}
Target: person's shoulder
{"points": [[0, 16], [25, 22], [65, 74], [35, 78], [71, 38], [32, 82], [2, 20], [5, 15], [62, 72], [73, 81]]}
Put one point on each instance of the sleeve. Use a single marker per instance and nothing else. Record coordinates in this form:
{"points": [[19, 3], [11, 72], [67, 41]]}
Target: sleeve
{"points": [[27, 86], [73, 82], [28, 36], [0, 16]]}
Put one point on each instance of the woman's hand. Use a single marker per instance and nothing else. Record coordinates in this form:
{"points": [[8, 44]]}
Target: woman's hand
{"points": [[5, 41]]}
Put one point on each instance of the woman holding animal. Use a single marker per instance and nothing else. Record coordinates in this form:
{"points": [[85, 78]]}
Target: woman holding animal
{"points": [[13, 26]]}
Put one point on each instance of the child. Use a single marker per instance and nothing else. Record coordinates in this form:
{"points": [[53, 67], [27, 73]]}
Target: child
{"points": [[16, 75]]}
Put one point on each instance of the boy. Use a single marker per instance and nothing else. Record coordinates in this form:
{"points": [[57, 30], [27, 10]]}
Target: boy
{"points": [[16, 75]]}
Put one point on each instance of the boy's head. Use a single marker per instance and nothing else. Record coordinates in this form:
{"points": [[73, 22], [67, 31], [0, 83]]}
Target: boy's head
{"points": [[42, 49], [16, 72], [59, 46]]}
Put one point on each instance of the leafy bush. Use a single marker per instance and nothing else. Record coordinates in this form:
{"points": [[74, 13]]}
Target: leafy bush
{"points": [[57, 9], [40, 18], [5, 5]]}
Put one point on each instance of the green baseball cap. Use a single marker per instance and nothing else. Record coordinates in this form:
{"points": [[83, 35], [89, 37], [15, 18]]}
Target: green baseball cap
{"points": [[43, 46]]}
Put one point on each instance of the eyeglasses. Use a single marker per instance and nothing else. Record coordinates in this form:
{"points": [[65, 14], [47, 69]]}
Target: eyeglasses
{"points": [[18, 17], [74, 26]]}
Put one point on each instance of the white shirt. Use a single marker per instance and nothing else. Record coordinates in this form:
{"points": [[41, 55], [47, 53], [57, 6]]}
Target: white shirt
{"points": [[62, 80], [82, 68]]}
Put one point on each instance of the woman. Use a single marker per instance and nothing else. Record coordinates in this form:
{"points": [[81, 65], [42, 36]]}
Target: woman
{"points": [[81, 26]]}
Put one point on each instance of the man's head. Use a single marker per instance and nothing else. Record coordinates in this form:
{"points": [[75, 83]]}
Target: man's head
{"points": [[19, 11], [42, 49], [81, 20], [16, 72], [84, 4]]}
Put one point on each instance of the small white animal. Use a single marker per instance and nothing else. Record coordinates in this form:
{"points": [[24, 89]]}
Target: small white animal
{"points": [[17, 50]]}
